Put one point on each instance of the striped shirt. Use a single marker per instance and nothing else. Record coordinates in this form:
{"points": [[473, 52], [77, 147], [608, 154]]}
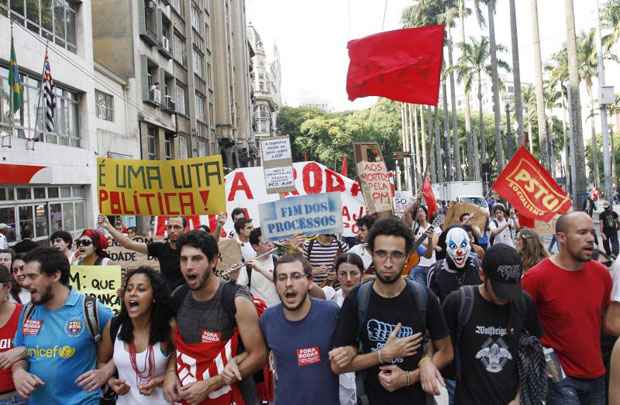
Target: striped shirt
{"points": [[323, 255]]}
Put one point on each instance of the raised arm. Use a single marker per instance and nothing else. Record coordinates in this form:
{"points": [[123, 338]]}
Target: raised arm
{"points": [[121, 238]]}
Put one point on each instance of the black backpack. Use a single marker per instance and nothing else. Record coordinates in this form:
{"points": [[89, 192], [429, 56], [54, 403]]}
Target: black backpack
{"points": [[531, 365]]}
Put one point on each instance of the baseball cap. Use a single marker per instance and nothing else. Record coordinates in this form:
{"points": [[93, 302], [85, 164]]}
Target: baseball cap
{"points": [[5, 274], [503, 266], [4, 226], [605, 205]]}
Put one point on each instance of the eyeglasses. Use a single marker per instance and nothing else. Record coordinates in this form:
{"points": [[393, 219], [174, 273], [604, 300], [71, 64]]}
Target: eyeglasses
{"points": [[282, 277], [84, 242], [174, 227], [394, 255]]}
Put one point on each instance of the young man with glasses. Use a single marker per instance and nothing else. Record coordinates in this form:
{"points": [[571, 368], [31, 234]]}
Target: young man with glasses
{"points": [[389, 317], [299, 332], [164, 251]]}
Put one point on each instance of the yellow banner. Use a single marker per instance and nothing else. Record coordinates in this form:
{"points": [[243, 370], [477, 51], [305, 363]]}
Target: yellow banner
{"points": [[161, 187], [102, 282]]}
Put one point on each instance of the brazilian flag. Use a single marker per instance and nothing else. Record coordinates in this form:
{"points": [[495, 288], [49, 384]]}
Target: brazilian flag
{"points": [[16, 82]]}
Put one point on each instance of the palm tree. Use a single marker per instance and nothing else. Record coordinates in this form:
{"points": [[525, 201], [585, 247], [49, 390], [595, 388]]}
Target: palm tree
{"points": [[516, 72], [529, 100], [611, 19], [499, 150], [472, 65]]}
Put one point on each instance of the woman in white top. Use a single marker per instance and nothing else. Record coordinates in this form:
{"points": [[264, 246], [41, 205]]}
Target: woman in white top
{"points": [[138, 339], [91, 246]]}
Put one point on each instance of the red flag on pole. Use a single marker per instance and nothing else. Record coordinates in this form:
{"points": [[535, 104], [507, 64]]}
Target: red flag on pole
{"points": [[344, 169], [527, 185], [429, 197], [402, 65]]}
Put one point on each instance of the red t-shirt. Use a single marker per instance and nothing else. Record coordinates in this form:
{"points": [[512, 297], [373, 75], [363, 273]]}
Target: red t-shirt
{"points": [[571, 306], [7, 333]]}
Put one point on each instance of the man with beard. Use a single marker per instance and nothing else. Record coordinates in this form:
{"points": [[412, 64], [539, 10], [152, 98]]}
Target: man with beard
{"points": [[58, 335], [299, 332], [571, 292], [214, 320], [165, 252], [387, 319]]}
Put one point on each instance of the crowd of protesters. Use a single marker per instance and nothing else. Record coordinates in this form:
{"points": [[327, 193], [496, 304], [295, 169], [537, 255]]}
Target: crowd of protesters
{"points": [[480, 314]]}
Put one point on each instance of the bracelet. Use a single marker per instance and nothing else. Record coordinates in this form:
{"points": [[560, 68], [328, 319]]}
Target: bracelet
{"points": [[379, 356], [408, 373], [422, 360]]}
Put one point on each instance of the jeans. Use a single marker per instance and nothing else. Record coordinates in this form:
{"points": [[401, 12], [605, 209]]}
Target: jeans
{"points": [[451, 387], [15, 400], [419, 274], [573, 391], [611, 243]]}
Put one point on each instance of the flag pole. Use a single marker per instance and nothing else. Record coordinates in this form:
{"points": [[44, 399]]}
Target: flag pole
{"points": [[9, 143], [36, 121]]}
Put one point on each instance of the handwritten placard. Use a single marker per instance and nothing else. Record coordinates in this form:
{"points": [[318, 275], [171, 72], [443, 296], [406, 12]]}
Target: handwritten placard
{"points": [[375, 182], [101, 282], [278, 164]]}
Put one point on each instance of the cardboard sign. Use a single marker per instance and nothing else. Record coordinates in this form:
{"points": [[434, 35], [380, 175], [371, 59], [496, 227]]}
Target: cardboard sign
{"points": [[308, 215], [278, 164], [375, 182], [161, 187], [478, 215], [230, 253], [245, 188], [101, 282], [130, 259], [401, 200]]}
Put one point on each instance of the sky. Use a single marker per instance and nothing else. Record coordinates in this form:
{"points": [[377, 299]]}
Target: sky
{"points": [[312, 37]]}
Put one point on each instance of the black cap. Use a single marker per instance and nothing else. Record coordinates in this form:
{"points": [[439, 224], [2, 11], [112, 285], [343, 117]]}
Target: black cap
{"points": [[503, 266]]}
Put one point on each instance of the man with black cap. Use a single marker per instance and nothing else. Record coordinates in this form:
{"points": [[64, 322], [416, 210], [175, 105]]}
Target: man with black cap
{"points": [[609, 229], [485, 322]]}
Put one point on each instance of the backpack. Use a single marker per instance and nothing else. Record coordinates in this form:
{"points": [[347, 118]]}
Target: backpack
{"points": [[530, 358], [91, 314], [420, 295]]}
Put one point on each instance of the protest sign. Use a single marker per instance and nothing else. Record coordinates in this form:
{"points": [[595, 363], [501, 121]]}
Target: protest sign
{"points": [[375, 182], [311, 214], [245, 188], [161, 187], [101, 282], [401, 200], [478, 219], [230, 253], [277, 164], [130, 259]]}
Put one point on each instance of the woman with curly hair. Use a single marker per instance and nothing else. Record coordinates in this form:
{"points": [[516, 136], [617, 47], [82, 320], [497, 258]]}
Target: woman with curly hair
{"points": [[530, 248], [91, 246], [138, 340]]}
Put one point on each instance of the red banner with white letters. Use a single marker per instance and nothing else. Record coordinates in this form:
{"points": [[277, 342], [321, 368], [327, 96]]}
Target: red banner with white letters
{"points": [[527, 185]]}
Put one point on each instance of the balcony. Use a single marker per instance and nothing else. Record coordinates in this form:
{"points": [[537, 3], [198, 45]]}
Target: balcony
{"points": [[148, 22], [168, 104]]}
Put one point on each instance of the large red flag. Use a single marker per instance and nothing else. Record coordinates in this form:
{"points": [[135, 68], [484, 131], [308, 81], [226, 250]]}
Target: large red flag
{"points": [[402, 65], [429, 197], [526, 185]]}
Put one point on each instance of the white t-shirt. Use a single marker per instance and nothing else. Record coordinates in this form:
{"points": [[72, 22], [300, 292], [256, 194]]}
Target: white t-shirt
{"points": [[4, 244], [247, 251], [615, 271], [348, 395], [261, 286], [419, 231], [363, 253], [504, 236]]}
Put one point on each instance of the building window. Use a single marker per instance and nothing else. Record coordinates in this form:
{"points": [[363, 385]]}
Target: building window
{"points": [[178, 49], [209, 76], [177, 5], [151, 139], [105, 106], [39, 218], [198, 63], [66, 123], [200, 107], [168, 147], [211, 115], [181, 105], [196, 18], [52, 19]]}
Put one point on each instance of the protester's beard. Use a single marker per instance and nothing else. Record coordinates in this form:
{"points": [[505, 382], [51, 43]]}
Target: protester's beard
{"points": [[203, 280], [295, 307], [45, 296], [387, 280]]}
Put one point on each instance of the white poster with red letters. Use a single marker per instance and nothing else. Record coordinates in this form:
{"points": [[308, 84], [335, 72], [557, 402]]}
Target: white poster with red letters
{"points": [[245, 188]]}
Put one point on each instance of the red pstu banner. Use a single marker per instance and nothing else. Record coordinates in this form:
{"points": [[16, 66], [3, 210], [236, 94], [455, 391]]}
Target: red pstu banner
{"points": [[526, 185]]}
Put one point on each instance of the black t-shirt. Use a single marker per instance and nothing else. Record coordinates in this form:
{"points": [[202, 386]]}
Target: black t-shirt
{"points": [[169, 263], [609, 219], [383, 315], [443, 280], [486, 353]]}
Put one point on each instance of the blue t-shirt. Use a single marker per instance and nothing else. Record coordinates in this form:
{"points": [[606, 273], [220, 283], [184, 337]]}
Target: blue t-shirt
{"points": [[60, 347], [301, 351]]}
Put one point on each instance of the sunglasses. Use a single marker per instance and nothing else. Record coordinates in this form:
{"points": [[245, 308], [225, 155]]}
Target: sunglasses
{"points": [[84, 243]]}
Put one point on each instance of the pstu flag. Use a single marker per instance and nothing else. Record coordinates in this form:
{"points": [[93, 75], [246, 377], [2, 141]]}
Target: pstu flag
{"points": [[402, 65], [48, 95], [16, 82]]}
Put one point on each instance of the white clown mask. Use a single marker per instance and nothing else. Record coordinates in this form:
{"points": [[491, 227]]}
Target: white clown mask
{"points": [[458, 246]]}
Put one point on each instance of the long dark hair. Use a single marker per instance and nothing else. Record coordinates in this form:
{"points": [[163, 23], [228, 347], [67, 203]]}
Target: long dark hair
{"points": [[162, 310]]}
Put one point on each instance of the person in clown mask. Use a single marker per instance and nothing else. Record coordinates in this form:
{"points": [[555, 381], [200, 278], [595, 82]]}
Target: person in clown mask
{"points": [[91, 246]]}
